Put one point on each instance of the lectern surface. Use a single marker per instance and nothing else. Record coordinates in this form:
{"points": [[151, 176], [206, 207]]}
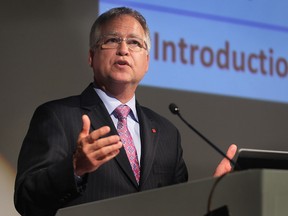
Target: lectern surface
{"points": [[249, 193]]}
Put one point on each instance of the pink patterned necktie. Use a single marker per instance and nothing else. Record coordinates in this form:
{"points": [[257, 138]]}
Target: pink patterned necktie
{"points": [[121, 113]]}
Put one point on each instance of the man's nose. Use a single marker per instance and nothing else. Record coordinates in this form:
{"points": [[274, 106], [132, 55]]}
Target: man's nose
{"points": [[123, 48]]}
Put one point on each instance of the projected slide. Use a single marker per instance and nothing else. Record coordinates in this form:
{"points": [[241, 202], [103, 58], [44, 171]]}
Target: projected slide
{"points": [[232, 48]]}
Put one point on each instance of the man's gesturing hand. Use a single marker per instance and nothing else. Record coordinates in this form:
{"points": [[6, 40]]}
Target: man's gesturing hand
{"points": [[92, 149], [225, 166]]}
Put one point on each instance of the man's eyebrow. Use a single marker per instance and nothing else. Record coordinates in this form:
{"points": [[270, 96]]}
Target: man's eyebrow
{"points": [[111, 34], [132, 35], [135, 36]]}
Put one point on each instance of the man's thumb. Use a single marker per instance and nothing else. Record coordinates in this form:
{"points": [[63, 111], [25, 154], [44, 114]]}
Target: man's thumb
{"points": [[86, 125]]}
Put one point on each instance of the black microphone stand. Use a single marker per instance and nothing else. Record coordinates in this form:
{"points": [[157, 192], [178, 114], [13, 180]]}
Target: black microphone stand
{"points": [[175, 110]]}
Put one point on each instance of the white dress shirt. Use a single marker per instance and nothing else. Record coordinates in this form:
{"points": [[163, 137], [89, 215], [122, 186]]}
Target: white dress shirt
{"points": [[111, 104]]}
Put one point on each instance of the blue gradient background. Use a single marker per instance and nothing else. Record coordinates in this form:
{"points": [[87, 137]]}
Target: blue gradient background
{"points": [[249, 26]]}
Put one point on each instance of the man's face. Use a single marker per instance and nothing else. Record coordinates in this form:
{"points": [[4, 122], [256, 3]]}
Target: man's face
{"points": [[120, 65]]}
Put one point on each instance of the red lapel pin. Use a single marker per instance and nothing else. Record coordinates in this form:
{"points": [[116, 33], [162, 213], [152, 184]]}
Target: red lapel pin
{"points": [[153, 130]]}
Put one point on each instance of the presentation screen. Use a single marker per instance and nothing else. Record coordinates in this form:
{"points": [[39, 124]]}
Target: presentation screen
{"points": [[233, 48]]}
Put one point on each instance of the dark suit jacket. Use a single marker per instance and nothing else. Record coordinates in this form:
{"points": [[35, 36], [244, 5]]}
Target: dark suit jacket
{"points": [[45, 179]]}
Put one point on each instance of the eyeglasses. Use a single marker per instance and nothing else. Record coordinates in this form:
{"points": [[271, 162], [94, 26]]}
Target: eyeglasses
{"points": [[112, 42]]}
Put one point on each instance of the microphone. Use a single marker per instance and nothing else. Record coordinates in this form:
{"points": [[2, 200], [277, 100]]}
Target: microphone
{"points": [[175, 110]]}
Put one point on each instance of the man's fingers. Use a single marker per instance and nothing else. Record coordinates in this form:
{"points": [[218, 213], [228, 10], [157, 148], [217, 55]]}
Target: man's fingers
{"points": [[95, 135], [106, 141], [95, 159], [231, 152], [107, 152], [225, 166], [110, 156]]}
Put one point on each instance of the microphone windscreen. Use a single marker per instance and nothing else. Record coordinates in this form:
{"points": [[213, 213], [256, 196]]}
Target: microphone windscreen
{"points": [[174, 108]]}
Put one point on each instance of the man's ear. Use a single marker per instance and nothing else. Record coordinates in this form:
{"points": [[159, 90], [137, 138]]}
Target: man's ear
{"points": [[90, 58]]}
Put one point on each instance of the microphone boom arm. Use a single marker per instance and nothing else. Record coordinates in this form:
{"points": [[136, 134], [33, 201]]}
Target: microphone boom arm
{"points": [[175, 110]]}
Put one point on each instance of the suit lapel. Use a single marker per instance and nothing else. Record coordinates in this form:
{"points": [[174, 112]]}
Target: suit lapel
{"points": [[95, 108], [149, 131], [100, 117]]}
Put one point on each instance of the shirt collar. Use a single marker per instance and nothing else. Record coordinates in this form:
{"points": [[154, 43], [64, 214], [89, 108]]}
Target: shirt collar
{"points": [[111, 103]]}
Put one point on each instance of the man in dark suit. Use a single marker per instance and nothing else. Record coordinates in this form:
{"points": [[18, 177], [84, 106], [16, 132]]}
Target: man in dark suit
{"points": [[74, 151]]}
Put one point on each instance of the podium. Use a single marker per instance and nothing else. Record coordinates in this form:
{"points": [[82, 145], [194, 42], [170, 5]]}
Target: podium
{"points": [[260, 192]]}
